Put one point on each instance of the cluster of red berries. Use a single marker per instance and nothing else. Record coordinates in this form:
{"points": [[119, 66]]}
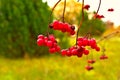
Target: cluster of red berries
{"points": [[88, 42], [90, 61], [111, 10], [97, 16], [72, 51], [80, 49], [102, 57], [48, 41], [88, 67], [86, 7], [64, 27]]}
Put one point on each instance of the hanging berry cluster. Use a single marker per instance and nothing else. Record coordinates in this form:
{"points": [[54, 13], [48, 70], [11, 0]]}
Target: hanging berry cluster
{"points": [[64, 27], [48, 41], [80, 47]]}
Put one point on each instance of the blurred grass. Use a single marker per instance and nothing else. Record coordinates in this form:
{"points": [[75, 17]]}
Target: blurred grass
{"points": [[55, 67]]}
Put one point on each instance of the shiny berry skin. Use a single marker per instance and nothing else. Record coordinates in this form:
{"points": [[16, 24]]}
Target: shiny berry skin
{"points": [[86, 52], [57, 48], [41, 36], [52, 50], [52, 38], [40, 42], [68, 53], [74, 52], [63, 52], [63, 27], [79, 43], [72, 27], [85, 42], [72, 32], [49, 43]]}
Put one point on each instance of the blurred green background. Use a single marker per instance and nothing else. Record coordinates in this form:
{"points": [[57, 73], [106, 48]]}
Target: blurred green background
{"points": [[21, 21]]}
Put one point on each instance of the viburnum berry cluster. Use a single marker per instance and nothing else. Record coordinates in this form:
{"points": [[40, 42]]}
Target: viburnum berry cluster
{"points": [[102, 57], [64, 27], [82, 43], [48, 41], [80, 48]]}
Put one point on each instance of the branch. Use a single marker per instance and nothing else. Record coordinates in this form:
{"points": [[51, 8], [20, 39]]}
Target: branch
{"points": [[98, 7], [108, 36], [63, 16], [81, 20], [51, 15]]}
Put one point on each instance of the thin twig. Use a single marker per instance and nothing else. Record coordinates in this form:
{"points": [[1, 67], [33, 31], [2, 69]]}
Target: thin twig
{"points": [[50, 16], [98, 7], [108, 36], [81, 21], [63, 16], [53, 9]]}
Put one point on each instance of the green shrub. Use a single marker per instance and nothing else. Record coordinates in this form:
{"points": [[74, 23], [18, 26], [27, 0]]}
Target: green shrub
{"points": [[20, 23]]}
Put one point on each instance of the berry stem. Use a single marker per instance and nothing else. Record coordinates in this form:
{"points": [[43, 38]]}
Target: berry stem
{"points": [[63, 16], [98, 7], [81, 21], [50, 16], [53, 10]]}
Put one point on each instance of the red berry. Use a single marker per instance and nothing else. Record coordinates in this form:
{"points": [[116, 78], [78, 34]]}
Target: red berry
{"points": [[103, 57], [111, 10], [85, 42], [72, 27], [69, 53], [97, 48], [57, 48], [60, 26], [40, 42], [52, 50], [98, 16], [86, 52], [89, 67], [91, 61], [55, 25], [49, 43], [72, 32], [79, 54], [80, 39], [74, 52], [40, 36], [79, 43], [63, 52], [86, 7], [52, 38]]}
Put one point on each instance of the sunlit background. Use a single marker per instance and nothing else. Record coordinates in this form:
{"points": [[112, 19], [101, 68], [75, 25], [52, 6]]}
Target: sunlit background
{"points": [[21, 21], [105, 5]]}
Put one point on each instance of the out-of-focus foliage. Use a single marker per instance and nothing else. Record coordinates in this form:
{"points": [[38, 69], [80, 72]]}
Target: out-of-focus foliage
{"points": [[93, 26], [20, 23], [72, 10], [73, 16]]}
